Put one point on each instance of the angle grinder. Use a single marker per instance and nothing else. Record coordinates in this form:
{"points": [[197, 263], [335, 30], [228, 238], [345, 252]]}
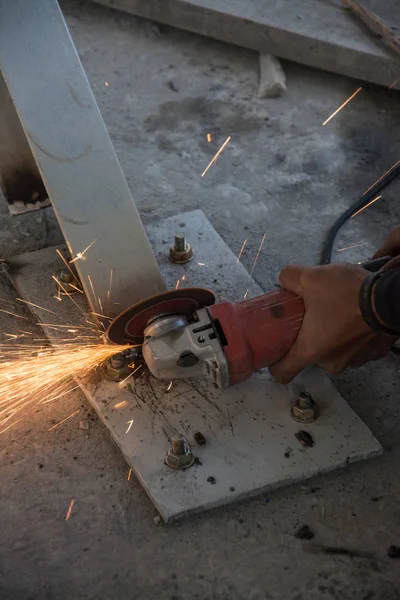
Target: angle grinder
{"points": [[184, 334]]}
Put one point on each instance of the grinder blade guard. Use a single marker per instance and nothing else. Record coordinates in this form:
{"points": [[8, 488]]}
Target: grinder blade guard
{"points": [[179, 338]]}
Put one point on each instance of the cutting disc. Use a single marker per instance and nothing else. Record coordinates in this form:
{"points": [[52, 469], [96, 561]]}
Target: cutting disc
{"points": [[129, 326]]}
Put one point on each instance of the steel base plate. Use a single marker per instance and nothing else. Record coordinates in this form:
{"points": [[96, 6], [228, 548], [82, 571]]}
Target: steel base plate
{"points": [[251, 445]]}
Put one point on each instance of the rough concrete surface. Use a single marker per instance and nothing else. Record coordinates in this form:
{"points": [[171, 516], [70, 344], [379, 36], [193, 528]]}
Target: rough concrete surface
{"points": [[283, 174], [316, 33]]}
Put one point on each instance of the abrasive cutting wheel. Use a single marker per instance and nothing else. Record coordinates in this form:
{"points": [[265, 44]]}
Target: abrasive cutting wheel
{"points": [[129, 326]]}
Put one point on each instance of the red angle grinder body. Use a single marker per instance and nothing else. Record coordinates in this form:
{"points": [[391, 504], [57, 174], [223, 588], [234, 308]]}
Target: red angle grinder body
{"points": [[253, 334], [258, 332]]}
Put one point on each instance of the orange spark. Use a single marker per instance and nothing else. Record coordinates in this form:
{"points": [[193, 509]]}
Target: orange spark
{"points": [[36, 305], [106, 83], [129, 474], [394, 83], [241, 251], [177, 284], [13, 314], [101, 315], [32, 374], [366, 206], [258, 253], [81, 255], [100, 304], [66, 263], [169, 386], [380, 178], [245, 295], [76, 288], [92, 287], [109, 291], [208, 137], [130, 375], [183, 277], [120, 404], [67, 294], [202, 264], [342, 106], [228, 139], [63, 421], [69, 510]]}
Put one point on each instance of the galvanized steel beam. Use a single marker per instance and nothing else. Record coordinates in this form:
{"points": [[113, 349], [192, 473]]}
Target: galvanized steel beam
{"points": [[74, 154]]}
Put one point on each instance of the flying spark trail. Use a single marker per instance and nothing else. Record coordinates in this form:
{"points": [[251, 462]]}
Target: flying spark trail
{"points": [[120, 404], [258, 253], [126, 379], [100, 304], [394, 83], [92, 287], [241, 251], [7, 301], [245, 294], [129, 474], [380, 178], [177, 283], [366, 206], [130, 425], [36, 306], [81, 255], [109, 291], [349, 247], [67, 294], [101, 315], [31, 374], [66, 263], [75, 288], [228, 139], [169, 386], [69, 510], [208, 137], [202, 264], [13, 314], [63, 421], [342, 106]]}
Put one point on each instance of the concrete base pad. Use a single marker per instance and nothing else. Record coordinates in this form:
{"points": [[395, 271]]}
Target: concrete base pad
{"points": [[251, 444]]}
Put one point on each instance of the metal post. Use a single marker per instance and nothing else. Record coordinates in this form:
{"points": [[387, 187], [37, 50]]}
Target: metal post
{"points": [[75, 156]]}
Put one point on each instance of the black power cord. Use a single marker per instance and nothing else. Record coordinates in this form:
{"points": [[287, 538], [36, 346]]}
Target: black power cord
{"points": [[326, 254]]}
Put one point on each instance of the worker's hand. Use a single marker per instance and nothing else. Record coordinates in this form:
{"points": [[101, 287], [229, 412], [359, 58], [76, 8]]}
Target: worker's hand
{"points": [[333, 334], [391, 246]]}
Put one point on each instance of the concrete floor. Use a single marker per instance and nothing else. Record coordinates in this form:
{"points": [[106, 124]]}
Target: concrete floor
{"points": [[283, 174]]}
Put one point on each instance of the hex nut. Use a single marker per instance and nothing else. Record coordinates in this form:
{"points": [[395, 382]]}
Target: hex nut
{"points": [[68, 283], [304, 414], [179, 257], [117, 373], [179, 461]]}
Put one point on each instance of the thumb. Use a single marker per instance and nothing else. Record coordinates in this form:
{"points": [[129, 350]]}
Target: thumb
{"points": [[392, 264], [290, 278]]}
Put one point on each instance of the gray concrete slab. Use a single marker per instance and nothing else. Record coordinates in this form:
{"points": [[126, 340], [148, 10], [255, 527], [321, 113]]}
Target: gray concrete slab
{"points": [[287, 176], [315, 33], [248, 427]]}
